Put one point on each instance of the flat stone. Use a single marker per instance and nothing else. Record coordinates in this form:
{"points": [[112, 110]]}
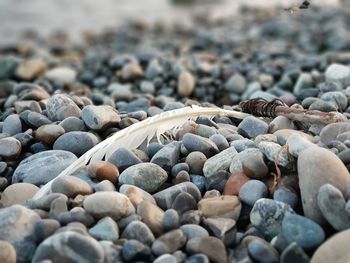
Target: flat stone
{"points": [[147, 176], [76, 142], [262, 251], [124, 158], [212, 247], [42, 167], [7, 252], [10, 147], [48, 133], [18, 193], [69, 247], [64, 75], [12, 125], [111, 204], [169, 242], [331, 203], [166, 197], [152, 216], [250, 162], [335, 249], [139, 231], [305, 232], [318, 166], [267, 215], [251, 127], [61, 106], [220, 161], [168, 156], [17, 228], [194, 142], [100, 117], [234, 183], [222, 206], [71, 186], [331, 131], [105, 229], [252, 191], [136, 195]]}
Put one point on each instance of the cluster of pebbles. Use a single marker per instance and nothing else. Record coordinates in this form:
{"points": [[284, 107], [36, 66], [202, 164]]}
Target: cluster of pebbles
{"points": [[213, 194]]}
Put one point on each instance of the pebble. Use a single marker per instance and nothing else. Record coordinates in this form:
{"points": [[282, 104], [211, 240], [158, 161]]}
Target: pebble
{"points": [[18, 194], [279, 123], [184, 202], [286, 195], [17, 227], [169, 242], [297, 144], [223, 228], [63, 75], [305, 232], [42, 167], [134, 251], [7, 252], [152, 216], [335, 249], [331, 203], [223, 206], [132, 71], [48, 133], [139, 231], [250, 162], [124, 158], [171, 220], [136, 195], [252, 191], [100, 117], [217, 182], [34, 119], [69, 247], [72, 124], [261, 251], [167, 157], [76, 142], [234, 183], [165, 198], [102, 170], [251, 127], [30, 69], [338, 73], [147, 176], [236, 84], [331, 131], [60, 107], [166, 258], [267, 215], [186, 84], [220, 141], [212, 247], [294, 253], [220, 161], [274, 152], [105, 229], [195, 161], [12, 125], [193, 231], [318, 166], [10, 147], [194, 142], [71, 186], [113, 204], [197, 258], [29, 91], [23, 105]]}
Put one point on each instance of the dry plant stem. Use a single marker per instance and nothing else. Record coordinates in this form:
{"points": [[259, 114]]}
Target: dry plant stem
{"points": [[262, 108]]}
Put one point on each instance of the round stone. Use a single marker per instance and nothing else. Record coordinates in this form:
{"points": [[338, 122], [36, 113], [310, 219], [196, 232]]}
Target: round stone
{"points": [[70, 186], [212, 247], [64, 75], [10, 147], [135, 194], [186, 83], [195, 161], [100, 117], [147, 176], [261, 251], [61, 106], [48, 133], [234, 183], [193, 142], [18, 193], [251, 127], [169, 242], [139, 231], [152, 216], [7, 252], [252, 191], [102, 170], [111, 204], [105, 229], [12, 125]]}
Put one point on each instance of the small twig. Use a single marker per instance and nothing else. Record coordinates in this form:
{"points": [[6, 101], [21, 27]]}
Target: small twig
{"points": [[262, 108]]}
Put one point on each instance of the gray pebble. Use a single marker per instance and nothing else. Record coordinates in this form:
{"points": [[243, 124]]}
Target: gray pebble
{"points": [[252, 191]]}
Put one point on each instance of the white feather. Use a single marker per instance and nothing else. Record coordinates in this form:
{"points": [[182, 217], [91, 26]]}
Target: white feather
{"points": [[133, 136]]}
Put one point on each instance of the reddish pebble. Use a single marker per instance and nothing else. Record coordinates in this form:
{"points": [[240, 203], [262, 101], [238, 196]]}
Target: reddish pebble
{"points": [[102, 170], [234, 183]]}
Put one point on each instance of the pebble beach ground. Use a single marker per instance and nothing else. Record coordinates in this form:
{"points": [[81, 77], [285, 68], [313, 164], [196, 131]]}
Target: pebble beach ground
{"points": [[208, 194]]}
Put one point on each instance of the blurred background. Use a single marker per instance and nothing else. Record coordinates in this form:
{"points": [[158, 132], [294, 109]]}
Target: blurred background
{"points": [[77, 16]]}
